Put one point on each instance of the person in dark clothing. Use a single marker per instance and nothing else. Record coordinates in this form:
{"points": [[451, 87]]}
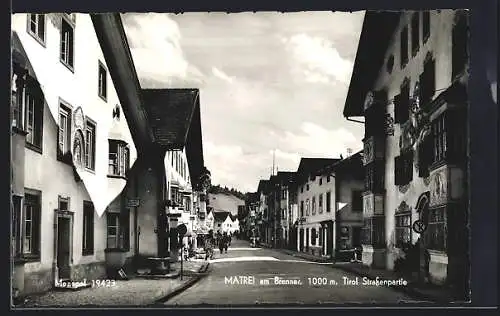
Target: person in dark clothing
{"points": [[225, 241]]}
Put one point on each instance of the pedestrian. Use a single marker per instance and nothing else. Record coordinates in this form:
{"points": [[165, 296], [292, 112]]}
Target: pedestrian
{"points": [[225, 241]]}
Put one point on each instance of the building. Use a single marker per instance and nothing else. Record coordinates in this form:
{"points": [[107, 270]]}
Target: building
{"points": [[263, 212], [221, 223], [68, 130], [284, 183], [409, 82], [316, 195], [349, 186], [104, 137]]}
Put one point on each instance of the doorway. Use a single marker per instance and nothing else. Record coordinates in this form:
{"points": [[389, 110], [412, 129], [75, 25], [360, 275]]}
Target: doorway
{"points": [[329, 239], [63, 260], [301, 241]]}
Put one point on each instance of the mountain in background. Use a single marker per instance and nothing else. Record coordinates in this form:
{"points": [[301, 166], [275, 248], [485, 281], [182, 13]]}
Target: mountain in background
{"points": [[223, 199]]}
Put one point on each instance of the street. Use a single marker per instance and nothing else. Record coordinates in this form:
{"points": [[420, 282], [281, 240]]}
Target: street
{"points": [[231, 275]]}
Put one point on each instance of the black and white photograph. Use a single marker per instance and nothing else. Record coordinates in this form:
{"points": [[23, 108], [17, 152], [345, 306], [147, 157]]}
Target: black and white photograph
{"points": [[240, 159]]}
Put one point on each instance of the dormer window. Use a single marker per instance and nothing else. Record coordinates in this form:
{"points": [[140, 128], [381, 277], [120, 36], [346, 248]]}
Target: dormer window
{"points": [[119, 158]]}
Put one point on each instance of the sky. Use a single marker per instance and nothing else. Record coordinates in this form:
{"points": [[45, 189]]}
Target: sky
{"points": [[269, 82]]}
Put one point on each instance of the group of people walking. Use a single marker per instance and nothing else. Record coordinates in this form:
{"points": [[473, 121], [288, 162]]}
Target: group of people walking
{"points": [[223, 241]]}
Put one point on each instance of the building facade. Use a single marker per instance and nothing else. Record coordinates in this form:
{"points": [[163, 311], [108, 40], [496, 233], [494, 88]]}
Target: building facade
{"points": [[99, 132], [69, 132], [409, 82], [316, 199]]}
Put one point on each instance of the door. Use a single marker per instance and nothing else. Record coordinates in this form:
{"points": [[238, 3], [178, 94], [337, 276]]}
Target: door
{"points": [[63, 247], [301, 245], [356, 237], [307, 240], [329, 238]]}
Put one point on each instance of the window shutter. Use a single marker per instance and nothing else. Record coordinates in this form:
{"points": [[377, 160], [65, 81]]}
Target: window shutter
{"points": [[397, 109], [409, 166], [397, 170]]}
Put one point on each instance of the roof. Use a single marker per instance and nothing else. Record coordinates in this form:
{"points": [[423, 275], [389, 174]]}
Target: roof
{"points": [[220, 215], [375, 37], [194, 148], [170, 112], [308, 166], [263, 186], [352, 165], [286, 177]]}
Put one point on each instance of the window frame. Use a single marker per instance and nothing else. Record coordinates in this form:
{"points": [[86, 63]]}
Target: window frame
{"points": [[374, 177], [31, 92], [102, 85], [121, 159], [328, 203], [371, 235], [428, 81], [402, 103], [90, 146], [320, 203], [88, 240], [67, 58], [433, 222], [35, 34], [399, 240], [33, 254], [301, 208], [122, 225], [67, 110], [313, 205]]}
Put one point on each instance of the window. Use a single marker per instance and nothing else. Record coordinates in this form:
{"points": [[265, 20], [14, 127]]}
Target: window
{"points": [[119, 158], [103, 84], [67, 43], [426, 25], [328, 202], [403, 168], [307, 207], [320, 203], [402, 104], [88, 228], [31, 225], [428, 81], [63, 204], [283, 194], [64, 135], [404, 47], [33, 105], [307, 187], [36, 27], [402, 228], [321, 237], [415, 33], [302, 189], [313, 211], [438, 130], [374, 177], [320, 181], [459, 45], [16, 225], [90, 145], [357, 201], [313, 237], [118, 229], [327, 178], [301, 208], [436, 229], [373, 231]]}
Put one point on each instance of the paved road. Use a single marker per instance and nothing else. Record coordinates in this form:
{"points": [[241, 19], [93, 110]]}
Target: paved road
{"points": [[220, 287]]}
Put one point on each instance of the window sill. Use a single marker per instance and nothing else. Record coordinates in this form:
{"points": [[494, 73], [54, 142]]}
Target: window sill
{"points": [[90, 170], [65, 159], [19, 130], [70, 68], [37, 38], [114, 176], [437, 165], [88, 252], [34, 148], [103, 97], [26, 259], [113, 250]]}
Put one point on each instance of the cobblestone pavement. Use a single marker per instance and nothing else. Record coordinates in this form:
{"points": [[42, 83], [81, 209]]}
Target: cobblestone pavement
{"points": [[136, 291]]}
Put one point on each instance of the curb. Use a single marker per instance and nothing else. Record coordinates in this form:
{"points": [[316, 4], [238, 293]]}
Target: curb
{"points": [[409, 290], [184, 286]]}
